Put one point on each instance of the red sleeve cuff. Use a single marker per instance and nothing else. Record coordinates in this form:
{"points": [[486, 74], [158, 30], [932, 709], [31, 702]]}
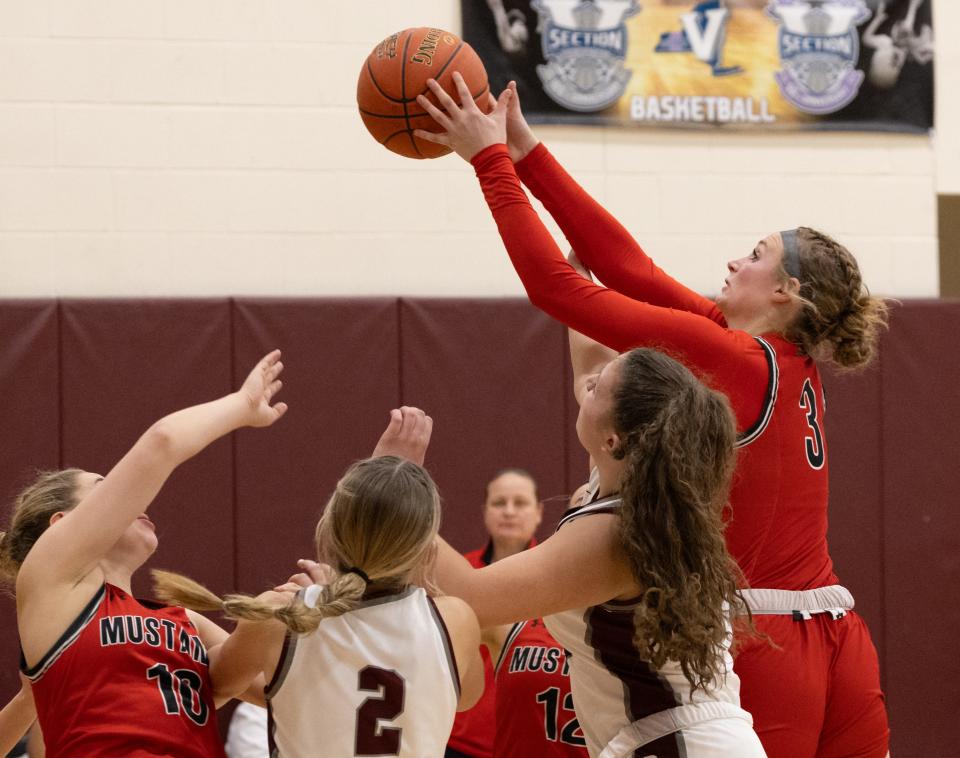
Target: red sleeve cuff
{"points": [[491, 151]]}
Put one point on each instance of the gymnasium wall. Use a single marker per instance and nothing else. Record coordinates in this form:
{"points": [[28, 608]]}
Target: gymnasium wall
{"points": [[211, 147], [81, 379]]}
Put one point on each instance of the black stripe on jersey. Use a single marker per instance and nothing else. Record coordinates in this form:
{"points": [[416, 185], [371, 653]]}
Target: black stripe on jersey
{"points": [[287, 652], [610, 633], [66, 639], [511, 636], [609, 504], [769, 400], [447, 646]]}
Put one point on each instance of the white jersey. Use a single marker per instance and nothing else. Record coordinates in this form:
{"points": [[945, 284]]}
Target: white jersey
{"points": [[613, 687], [378, 680]]}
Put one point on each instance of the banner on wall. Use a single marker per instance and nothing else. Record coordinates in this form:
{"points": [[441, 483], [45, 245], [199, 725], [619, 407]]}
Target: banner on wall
{"points": [[756, 64]]}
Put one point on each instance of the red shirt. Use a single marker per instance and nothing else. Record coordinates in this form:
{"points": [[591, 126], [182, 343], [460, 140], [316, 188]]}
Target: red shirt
{"points": [[129, 679], [535, 715], [778, 531]]}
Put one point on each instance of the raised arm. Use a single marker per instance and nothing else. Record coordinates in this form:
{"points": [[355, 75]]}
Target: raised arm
{"points": [[602, 243], [75, 543], [729, 360], [587, 356]]}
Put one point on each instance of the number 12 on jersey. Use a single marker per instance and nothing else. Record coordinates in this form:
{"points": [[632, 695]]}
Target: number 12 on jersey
{"points": [[570, 733]]}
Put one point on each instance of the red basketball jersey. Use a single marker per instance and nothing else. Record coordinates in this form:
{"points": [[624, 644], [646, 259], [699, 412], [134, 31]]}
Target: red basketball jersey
{"points": [[535, 714], [778, 526], [126, 678]]}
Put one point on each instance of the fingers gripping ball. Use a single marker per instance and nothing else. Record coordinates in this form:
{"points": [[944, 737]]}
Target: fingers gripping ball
{"points": [[397, 71]]}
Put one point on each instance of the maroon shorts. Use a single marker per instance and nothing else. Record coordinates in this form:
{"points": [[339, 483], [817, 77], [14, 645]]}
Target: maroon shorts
{"points": [[819, 694]]}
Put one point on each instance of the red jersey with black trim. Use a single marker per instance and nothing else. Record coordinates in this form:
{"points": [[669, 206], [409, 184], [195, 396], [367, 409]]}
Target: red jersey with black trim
{"points": [[778, 529], [127, 678], [535, 714]]}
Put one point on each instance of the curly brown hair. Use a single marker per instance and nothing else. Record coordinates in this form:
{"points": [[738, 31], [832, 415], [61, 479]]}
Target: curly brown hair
{"points": [[839, 319], [677, 438]]}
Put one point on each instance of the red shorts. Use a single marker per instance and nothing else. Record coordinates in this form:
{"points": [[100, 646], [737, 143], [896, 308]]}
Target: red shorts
{"points": [[819, 695]]}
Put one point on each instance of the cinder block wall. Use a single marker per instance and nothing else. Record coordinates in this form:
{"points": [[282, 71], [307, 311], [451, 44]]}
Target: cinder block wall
{"points": [[166, 147]]}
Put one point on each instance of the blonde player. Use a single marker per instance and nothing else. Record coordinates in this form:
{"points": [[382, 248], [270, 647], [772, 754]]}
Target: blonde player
{"points": [[370, 663]]}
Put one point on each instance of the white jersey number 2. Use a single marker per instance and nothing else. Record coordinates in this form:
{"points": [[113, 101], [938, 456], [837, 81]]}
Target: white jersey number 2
{"points": [[372, 737]]}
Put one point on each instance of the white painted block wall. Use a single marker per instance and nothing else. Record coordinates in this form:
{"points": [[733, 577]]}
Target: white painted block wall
{"points": [[212, 147]]}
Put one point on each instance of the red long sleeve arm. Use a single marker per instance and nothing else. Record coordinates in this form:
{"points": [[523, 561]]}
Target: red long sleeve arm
{"points": [[729, 360], [602, 243]]}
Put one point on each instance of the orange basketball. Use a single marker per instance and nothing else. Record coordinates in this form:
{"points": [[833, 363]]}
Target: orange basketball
{"points": [[397, 71]]}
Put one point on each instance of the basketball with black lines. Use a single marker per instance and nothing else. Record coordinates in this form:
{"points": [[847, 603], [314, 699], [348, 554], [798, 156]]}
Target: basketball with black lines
{"points": [[397, 71]]}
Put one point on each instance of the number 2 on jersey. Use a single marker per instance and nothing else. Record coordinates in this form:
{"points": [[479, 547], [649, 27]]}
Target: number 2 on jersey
{"points": [[372, 738], [570, 734], [814, 444]]}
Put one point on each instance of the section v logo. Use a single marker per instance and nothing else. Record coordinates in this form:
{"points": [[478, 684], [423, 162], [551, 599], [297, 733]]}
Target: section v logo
{"points": [[704, 34], [819, 46], [585, 44]]}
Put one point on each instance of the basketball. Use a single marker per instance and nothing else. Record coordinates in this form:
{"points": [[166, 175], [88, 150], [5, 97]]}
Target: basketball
{"points": [[396, 71]]}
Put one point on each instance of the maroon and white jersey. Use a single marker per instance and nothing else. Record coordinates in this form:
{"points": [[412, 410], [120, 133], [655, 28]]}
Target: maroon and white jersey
{"points": [[379, 680], [611, 685], [535, 713], [126, 678]]}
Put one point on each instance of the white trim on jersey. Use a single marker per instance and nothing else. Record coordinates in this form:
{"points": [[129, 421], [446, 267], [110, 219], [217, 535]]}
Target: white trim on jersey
{"points": [[770, 401], [35, 673], [511, 636]]}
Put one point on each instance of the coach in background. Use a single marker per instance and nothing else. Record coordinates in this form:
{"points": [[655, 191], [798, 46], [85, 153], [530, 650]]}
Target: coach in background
{"points": [[512, 511]]}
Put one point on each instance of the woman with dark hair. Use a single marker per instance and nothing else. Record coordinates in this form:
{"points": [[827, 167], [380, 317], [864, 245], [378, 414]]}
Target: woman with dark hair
{"points": [[796, 297], [110, 674], [637, 584]]}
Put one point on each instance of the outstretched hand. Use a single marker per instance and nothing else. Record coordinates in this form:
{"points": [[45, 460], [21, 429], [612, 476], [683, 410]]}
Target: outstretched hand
{"points": [[259, 388], [467, 129], [406, 436]]}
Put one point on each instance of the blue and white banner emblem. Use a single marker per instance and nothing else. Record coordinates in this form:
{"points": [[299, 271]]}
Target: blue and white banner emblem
{"points": [[584, 44], [819, 46]]}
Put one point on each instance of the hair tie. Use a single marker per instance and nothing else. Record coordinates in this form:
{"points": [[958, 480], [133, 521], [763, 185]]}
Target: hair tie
{"points": [[359, 572], [791, 253]]}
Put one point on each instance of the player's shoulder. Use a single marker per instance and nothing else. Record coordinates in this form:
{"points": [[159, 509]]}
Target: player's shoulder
{"points": [[458, 617]]}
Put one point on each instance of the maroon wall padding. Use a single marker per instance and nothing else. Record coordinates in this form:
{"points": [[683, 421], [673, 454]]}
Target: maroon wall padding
{"points": [[852, 425], [30, 437], [340, 380], [921, 482], [127, 364], [490, 374], [80, 380]]}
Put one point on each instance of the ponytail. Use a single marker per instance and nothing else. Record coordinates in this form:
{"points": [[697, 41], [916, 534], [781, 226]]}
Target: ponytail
{"points": [[839, 319], [335, 599]]}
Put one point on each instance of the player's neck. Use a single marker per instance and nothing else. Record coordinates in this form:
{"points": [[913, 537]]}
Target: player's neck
{"points": [[505, 548], [117, 574]]}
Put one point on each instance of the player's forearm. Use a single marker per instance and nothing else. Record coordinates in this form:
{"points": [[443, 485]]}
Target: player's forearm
{"points": [[601, 242], [184, 433], [237, 663], [15, 719]]}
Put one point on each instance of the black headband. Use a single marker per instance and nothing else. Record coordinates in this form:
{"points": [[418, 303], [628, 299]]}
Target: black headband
{"points": [[359, 572], [791, 253]]}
